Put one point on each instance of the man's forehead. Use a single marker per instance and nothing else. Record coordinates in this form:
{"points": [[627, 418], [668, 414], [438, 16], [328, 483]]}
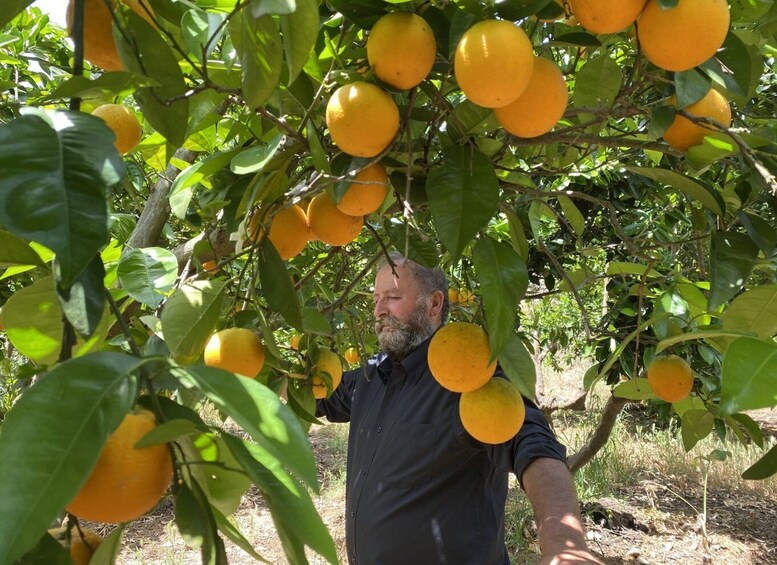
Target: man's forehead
{"points": [[388, 278]]}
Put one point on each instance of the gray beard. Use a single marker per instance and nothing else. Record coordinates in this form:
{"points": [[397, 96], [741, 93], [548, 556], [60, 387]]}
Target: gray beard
{"points": [[397, 339]]}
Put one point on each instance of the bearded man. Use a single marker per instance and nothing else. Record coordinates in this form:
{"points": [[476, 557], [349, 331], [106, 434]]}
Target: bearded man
{"points": [[419, 489]]}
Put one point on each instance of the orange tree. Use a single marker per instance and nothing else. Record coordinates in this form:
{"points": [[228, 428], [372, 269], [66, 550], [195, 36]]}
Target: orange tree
{"points": [[106, 306]]}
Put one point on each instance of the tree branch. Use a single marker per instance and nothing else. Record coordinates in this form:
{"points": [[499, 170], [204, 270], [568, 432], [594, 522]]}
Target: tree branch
{"points": [[600, 435]]}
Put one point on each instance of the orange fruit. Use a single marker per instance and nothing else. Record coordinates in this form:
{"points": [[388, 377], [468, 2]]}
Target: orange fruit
{"points": [[82, 544], [540, 106], [362, 119], [670, 378], [126, 482], [493, 413], [124, 123], [453, 295], [366, 193], [99, 48], [683, 37], [351, 355], [329, 224], [459, 355], [683, 134], [289, 231], [493, 63], [327, 362], [294, 342], [238, 350], [210, 266], [606, 16], [401, 49]]}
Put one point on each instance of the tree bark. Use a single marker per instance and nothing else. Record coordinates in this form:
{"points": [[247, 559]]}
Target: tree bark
{"points": [[600, 435]]}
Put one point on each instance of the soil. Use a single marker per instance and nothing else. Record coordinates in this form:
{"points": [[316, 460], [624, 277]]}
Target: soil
{"points": [[652, 523]]}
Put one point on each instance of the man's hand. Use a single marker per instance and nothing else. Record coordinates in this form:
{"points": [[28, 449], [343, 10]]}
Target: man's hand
{"points": [[570, 557]]}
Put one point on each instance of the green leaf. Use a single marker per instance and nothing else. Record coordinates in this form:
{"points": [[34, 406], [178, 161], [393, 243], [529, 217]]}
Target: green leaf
{"points": [[466, 119], [709, 198], [108, 550], [15, 251], [260, 8], [292, 510], [51, 439], [760, 231], [201, 170], [463, 196], [503, 282], [518, 366], [748, 376], [83, 303], [202, 31], [164, 106], [755, 311], [277, 286], [415, 247], [259, 48], [764, 468], [314, 322], [711, 335], [696, 425], [148, 274], [572, 214], [33, 319], [56, 167], [300, 31], [634, 389], [253, 159], [230, 530], [107, 85], [259, 411], [598, 83], [196, 523], [690, 87], [750, 425], [189, 317], [171, 430], [47, 551], [517, 236], [12, 8], [732, 258], [615, 355]]}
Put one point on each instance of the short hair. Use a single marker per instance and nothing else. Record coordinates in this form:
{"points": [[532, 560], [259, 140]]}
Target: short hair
{"points": [[429, 280]]}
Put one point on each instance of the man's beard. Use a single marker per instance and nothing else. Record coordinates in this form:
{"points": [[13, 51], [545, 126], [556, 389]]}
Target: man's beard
{"points": [[399, 338]]}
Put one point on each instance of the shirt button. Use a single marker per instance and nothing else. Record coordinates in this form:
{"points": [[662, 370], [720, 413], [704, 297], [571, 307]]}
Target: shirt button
{"points": [[380, 429], [352, 514]]}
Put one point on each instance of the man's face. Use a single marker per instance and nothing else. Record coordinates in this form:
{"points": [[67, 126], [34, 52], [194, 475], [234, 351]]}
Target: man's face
{"points": [[403, 316]]}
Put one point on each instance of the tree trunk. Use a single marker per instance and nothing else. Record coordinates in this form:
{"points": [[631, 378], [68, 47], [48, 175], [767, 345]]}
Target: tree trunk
{"points": [[600, 435]]}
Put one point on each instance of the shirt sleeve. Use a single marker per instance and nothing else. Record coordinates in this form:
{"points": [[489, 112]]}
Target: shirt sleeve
{"points": [[534, 440], [337, 408]]}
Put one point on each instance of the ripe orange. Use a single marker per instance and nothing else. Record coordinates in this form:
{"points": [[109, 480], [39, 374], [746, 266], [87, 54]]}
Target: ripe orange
{"points": [[680, 38], [670, 378], [493, 63], [81, 548], [401, 49], [458, 357], [99, 48], [210, 266], [289, 231], [327, 362], [329, 224], [453, 295], [352, 355], [294, 342], [683, 134], [238, 350], [126, 482], [362, 119], [540, 106], [493, 413], [124, 123], [606, 16], [366, 193]]}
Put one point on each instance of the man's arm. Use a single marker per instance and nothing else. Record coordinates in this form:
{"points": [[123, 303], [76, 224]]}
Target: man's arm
{"points": [[549, 487]]}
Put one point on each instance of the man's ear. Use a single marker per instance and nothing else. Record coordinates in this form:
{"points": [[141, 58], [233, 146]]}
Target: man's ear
{"points": [[435, 304]]}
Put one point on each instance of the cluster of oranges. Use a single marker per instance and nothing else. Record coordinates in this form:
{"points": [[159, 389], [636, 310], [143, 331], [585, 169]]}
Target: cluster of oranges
{"points": [[490, 409]]}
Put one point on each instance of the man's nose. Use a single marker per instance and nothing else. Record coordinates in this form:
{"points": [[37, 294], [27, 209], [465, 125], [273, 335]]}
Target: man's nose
{"points": [[380, 308]]}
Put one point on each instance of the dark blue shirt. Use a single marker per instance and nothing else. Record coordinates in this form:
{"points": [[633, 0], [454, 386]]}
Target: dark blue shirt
{"points": [[419, 488]]}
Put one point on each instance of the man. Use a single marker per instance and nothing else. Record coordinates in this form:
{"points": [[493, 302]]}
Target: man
{"points": [[419, 489]]}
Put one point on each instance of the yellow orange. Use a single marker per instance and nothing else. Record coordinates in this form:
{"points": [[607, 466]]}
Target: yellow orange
{"points": [[606, 16], [540, 106], [82, 544], [493, 63], [329, 224], [670, 378], [126, 482], [351, 355], [366, 193], [453, 295], [401, 49], [493, 413], [683, 37], [362, 119], [124, 123], [327, 362], [459, 355], [683, 134], [238, 350], [294, 342]]}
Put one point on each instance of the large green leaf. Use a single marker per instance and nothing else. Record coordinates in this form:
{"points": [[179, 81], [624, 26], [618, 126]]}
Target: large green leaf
{"points": [[753, 311], [196, 523], [14, 251], [148, 54], [709, 198], [696, 425], [598, 83], [764, 468], [406, 239], [518, 366], [259, 411], [52, 438], [48, 551], [292, 510], [259, 47], [463, 196], [189, 317], [83, 303], [503, 282], [56, 167], [761, 231], [749, 376], [230, 530], [201, 170], [277, 286], [300, 30], [148, 274], [634, 389], [732, 258], [9, 9], [712, 335], [108, 549]]}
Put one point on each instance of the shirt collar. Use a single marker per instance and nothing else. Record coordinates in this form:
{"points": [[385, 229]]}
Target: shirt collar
{"points": [[414, 363]]}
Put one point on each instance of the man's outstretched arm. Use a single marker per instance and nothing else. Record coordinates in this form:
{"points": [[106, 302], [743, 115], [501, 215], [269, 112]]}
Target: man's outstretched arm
{"points": [[549, 487]]}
